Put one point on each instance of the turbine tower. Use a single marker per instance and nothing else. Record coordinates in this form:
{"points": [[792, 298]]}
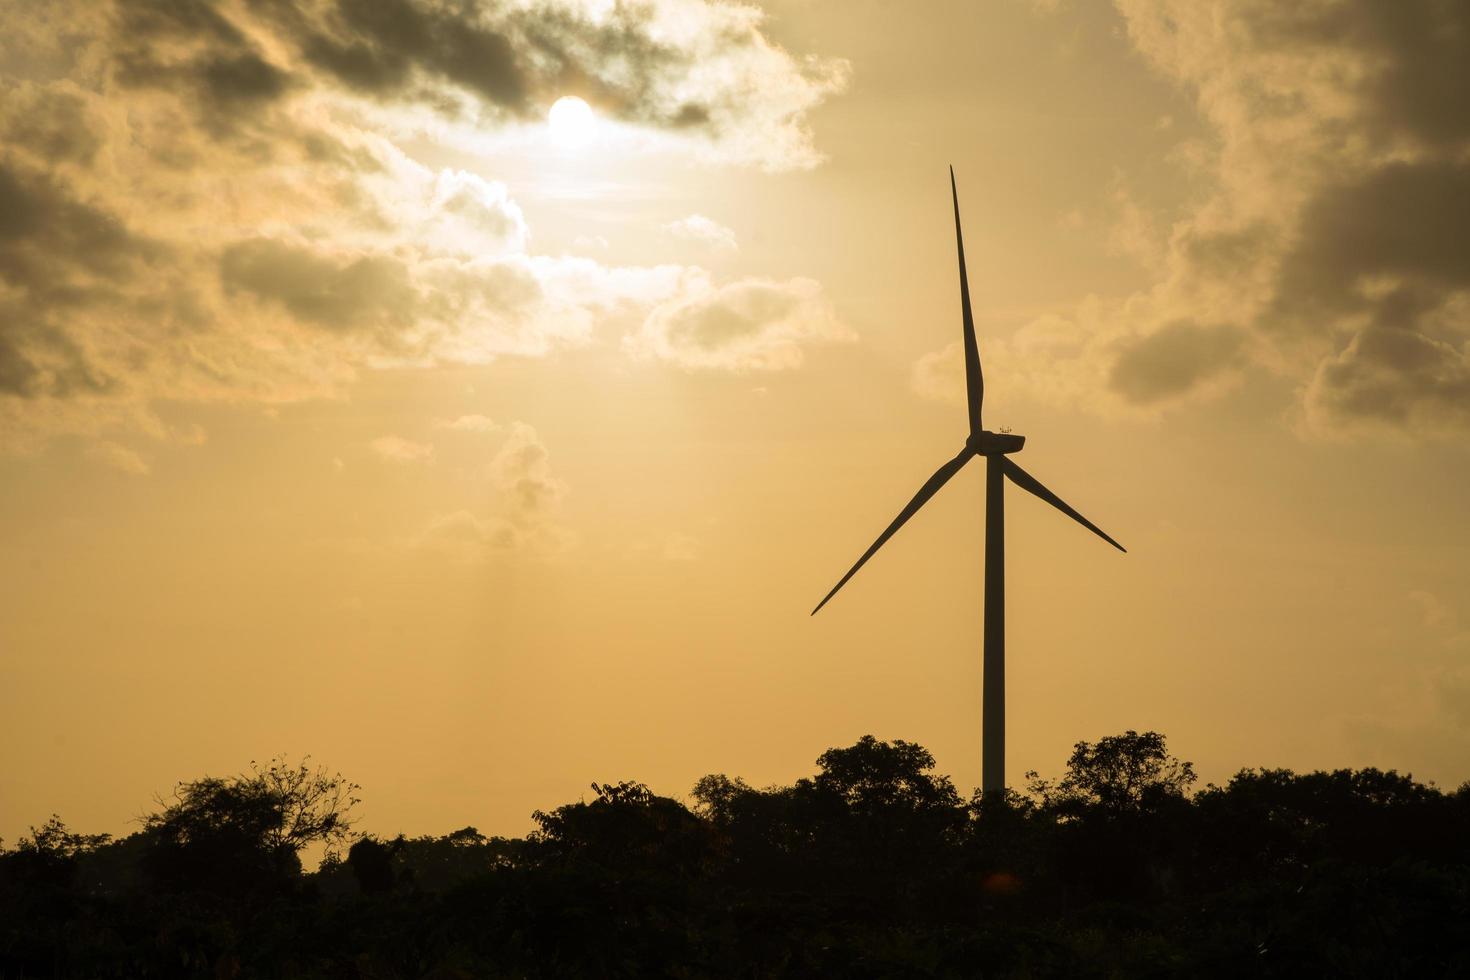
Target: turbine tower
{"points": [[996, 447]]}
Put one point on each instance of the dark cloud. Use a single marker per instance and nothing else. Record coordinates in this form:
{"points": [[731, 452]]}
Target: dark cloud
{"points": [[52, 245], [1394, 376], [1407, 220], [19, 375], [190, 46], [1390, 252], [1172, 361], [38, 358], [508, 55], [515, 58], [153, 20], [1230, 252], [360, 292], [1416, 81], [58, 254], [49, 123], [1338, 235], [376, 45]]}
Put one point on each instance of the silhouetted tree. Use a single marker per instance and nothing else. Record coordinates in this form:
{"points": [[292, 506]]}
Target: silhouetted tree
{"points": [[873, 775], [49, 855], [873, 826], [1123, 809], [1120, 774], [625, 827], [244, 834], [1278, 821], [870, 867], [371, 863], [895, 811]]}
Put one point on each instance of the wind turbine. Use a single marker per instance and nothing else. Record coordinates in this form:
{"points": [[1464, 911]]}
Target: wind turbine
{"points": [[996, 447]]}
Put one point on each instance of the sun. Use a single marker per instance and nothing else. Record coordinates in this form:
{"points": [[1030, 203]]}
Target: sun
{"points": [[571, 120]]}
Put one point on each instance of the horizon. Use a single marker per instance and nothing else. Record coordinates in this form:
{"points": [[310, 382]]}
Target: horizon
{"points": [[477, 402]]}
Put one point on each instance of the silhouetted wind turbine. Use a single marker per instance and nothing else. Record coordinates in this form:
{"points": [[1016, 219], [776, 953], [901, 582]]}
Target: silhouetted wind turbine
{"points": [[995, 447]]}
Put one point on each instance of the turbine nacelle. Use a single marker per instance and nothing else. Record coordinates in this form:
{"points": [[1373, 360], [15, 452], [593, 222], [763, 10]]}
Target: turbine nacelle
{"points": [[987, 443]]}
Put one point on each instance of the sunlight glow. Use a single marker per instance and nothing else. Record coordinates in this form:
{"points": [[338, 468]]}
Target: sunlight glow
{"points": [[572, 122]]}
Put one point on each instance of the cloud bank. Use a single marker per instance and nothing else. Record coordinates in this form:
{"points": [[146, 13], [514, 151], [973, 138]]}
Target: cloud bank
{"points": [[204, 200], [1333, 248]]}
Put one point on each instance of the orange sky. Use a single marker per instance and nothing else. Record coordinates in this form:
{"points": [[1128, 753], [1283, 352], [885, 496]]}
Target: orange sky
{"points": [[347, 409]]}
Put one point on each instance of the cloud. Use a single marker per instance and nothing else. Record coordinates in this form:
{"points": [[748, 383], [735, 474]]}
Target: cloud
{"points": [[1063, 361], [350, 291], [522, 471], [396, 449], [463, 536], [45, 227], [1340, 213], [194, 47], [1330, 247], [748, 325], [701, 71], [1172, 361], [704, 231], [529, 496], [51, 123], [388, 47], [469, 423], [1395, 379]]}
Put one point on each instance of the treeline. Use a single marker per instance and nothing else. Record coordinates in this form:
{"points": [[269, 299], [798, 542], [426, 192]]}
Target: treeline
{"points": [[873, 867]]}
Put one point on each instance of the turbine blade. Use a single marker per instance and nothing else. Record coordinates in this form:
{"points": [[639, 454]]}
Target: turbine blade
{"points": [[1029, 483], [929, 489], [974, 379]]}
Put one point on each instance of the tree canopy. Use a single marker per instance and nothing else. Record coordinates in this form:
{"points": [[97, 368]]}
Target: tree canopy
{"points": [[872, 866]]}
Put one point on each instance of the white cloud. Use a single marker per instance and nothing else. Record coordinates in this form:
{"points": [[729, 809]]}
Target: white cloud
{"points": [[704, 231], [469, 423]]}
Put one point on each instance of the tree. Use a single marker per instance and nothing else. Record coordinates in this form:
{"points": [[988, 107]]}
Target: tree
{"points": [[626, 827], [893, 816], [1123, 810], [1278, 820], [371, 863], [873, 775], [245, 833], [49, 856], [1121, 774]]}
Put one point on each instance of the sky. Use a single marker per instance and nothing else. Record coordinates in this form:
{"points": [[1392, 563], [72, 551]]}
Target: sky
{"points": [[350, 409]]}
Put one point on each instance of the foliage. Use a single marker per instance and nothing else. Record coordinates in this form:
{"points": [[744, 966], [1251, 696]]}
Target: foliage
{"points": [[245, 833], [871, 867], [626, 828], [1121, 774], [48, 856]]}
